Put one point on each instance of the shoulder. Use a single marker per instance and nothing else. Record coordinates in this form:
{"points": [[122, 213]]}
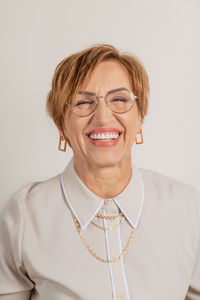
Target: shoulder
{"points": [[179, 200], [42, 189], [34, 194], [165, 188], [166, 183]]}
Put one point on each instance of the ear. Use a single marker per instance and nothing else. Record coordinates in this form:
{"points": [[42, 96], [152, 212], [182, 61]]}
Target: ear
{"points": [[61, 133], [139, 123]]}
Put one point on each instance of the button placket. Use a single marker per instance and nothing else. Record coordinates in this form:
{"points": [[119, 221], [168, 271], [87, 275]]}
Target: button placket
{"points": [[114, 249]]}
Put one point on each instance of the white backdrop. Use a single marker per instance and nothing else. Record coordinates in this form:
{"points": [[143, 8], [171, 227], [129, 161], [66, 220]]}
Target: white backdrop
{"points": [[37, 34]]}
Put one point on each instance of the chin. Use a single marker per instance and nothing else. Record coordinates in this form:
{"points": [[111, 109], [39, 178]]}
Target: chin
{"points": [[104, 161]]}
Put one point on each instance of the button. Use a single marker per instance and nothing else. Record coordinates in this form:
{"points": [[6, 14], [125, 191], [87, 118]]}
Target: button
{"points": [[107, 202]]}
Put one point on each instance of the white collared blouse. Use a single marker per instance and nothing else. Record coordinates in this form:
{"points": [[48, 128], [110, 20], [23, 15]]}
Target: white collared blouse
{"points": [[43, 257]]}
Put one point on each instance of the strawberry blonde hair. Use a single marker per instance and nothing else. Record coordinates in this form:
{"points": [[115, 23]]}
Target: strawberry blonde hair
{"points": [[76, 69]]}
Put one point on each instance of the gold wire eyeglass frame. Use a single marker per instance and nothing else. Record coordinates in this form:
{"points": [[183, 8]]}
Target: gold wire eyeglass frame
{"points": [[132, 97]]}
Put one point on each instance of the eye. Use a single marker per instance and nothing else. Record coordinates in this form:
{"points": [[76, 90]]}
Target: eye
{"points": [[84, 103], [119, 99]]}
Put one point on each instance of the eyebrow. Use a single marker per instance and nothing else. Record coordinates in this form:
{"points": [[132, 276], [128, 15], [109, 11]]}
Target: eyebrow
{"points": [[111, 91]]}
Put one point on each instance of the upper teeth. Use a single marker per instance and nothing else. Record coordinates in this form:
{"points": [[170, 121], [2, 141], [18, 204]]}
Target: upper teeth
{"points": [[102, 136]]}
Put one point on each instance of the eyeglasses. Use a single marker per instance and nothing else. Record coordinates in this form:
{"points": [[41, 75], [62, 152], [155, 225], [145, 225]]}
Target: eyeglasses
{"points": [[118, 100]]}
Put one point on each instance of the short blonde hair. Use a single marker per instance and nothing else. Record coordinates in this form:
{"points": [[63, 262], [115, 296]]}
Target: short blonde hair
{"points": [[76, 70]]}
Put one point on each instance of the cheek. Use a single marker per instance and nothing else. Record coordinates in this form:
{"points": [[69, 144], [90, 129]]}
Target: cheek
{"points": [[131, 122], [74, 127], [131, 129]]}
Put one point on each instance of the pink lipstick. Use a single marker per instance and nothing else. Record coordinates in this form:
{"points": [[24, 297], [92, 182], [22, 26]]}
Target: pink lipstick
{"points": [[104, 137]]}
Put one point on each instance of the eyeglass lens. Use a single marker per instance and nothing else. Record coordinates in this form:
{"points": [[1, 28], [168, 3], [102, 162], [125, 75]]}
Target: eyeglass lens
{"points": [[119, 102]]}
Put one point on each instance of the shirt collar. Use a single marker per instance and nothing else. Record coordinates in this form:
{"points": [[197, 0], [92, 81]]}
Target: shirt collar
{"points": [[84, 204]]}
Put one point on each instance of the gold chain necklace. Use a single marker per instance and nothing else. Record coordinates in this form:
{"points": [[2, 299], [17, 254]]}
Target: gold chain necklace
{"points": [[108, 228], [108, 217], [113, 259]]}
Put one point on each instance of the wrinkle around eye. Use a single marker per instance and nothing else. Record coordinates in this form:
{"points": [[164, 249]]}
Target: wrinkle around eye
{"points": [[84, 102], [119, 100]]}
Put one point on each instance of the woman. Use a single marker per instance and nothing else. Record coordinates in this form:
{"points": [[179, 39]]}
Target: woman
{"points": [[103, 229]]}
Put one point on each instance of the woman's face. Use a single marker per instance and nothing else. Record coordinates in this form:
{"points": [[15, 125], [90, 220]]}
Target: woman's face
{"points": [[107, 76]]}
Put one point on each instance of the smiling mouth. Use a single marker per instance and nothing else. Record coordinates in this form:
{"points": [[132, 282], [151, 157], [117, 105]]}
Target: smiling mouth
{"points": [[108, 136]]}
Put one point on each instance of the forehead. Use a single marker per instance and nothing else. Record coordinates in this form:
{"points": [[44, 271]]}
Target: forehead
{"points": [[108, 75]]}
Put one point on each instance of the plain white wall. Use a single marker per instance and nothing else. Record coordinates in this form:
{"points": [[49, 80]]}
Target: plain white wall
{"points": [[37, 34]]}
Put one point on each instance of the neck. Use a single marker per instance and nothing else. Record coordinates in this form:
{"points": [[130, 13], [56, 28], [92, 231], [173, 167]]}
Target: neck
{"points": [[105, 181]]}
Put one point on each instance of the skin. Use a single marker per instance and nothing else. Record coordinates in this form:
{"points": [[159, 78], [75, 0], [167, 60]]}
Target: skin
{"points": [[105, 170]]}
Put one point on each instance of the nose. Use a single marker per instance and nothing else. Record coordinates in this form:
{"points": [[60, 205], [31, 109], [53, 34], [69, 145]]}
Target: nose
{"points": [[102, 112]]}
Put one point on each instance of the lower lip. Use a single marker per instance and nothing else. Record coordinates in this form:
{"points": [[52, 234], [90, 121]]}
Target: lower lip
{"points": [[99, 143]]}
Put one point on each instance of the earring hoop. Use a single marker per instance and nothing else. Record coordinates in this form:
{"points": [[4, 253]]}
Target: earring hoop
{"points": [[62, 144], [139, 137]]}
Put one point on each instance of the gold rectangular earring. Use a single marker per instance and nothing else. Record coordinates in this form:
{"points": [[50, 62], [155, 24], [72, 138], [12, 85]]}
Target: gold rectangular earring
{"points": [[139, 137], [62, 144]]}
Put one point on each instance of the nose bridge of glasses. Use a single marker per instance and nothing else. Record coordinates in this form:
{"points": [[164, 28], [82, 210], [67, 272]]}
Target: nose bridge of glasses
{"points": [[102, 111], [102, 98]]}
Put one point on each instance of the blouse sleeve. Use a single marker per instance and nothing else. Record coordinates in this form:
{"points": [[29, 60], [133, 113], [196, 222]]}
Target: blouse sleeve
{"points": [[193, 292], [14, 281]]}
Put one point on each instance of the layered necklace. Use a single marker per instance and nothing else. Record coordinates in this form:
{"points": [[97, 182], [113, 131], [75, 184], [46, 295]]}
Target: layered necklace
{"points": [[115, 258]]}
